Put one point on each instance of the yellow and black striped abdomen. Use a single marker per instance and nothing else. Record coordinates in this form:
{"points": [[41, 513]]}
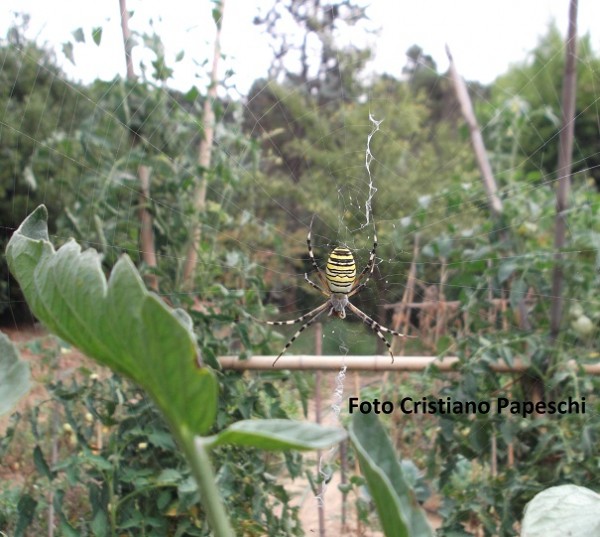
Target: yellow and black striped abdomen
{"points": [[341, 270]]}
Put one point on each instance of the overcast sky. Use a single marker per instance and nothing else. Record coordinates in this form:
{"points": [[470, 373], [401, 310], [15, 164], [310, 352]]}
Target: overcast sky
{"points": [[485, 36]]}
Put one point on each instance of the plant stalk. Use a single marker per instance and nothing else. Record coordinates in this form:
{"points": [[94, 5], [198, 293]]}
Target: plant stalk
{"points": [[198, 458]]}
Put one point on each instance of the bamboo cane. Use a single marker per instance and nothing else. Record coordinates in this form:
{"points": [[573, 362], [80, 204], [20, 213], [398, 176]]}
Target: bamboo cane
{"points": [[447, 364]]}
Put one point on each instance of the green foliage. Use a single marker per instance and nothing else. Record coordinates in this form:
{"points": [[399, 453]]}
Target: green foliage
{"points": [[253, 239], [118, 469], [14, 375], [122, 325], [549, 450], [565, 509], [34, 115], [397, 507], [136, 481], [102, 211], [95, 163], [306, 169], [512, 259], [133, 125], [117, 461], [535, 87], [277, 435]]}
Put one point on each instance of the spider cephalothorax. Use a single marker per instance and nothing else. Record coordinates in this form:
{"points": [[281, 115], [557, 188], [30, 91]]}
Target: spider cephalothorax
{"points": [[338, 284]]}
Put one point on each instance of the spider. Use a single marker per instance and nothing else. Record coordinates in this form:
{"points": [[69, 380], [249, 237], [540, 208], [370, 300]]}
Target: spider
{"points": [[338, 284]]}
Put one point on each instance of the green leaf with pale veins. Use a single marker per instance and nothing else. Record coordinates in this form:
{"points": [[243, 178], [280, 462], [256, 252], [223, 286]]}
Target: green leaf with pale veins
{"points": [[563, 510], [279, 435], [118, 323], [14, 375], [399, 512]]}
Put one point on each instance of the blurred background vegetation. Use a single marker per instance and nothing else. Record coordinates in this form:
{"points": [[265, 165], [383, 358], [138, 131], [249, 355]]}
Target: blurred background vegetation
{"points": [[294, 147]]}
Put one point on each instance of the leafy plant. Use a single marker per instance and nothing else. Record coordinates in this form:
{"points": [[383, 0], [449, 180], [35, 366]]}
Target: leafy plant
{"points": [[34, 114], [396, 503], [122, 325], [14, 375], [563, 510], [491, 465]]}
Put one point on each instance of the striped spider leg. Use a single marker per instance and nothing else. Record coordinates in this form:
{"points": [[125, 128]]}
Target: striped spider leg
{"points": [[311, 316], [311, 254], [376, 327]]}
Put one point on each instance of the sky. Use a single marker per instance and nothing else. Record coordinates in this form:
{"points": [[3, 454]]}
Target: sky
{"points": [[485, 36]]}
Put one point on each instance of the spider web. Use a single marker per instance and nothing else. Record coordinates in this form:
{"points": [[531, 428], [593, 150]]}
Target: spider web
{"points": [[354, 189]]}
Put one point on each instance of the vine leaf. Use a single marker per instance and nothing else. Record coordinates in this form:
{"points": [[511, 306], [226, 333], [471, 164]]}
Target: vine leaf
{"points": [[117, 322], [14, 375], [399, 512]]}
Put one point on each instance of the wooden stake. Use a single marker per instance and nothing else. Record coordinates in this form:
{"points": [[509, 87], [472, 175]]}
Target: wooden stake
{"points": [[147, 248], [564, 170], [483, 162], [204, 155]]}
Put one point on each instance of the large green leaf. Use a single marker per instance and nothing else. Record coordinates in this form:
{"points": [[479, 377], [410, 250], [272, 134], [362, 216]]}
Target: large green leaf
{"points": [[14, 375], [563, 510], [399, 512], [279, 435], [118, 323]]}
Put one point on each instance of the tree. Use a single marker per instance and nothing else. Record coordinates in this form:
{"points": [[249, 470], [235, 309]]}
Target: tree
{"points": [[311, 58], [34, 117], [537, 83]]}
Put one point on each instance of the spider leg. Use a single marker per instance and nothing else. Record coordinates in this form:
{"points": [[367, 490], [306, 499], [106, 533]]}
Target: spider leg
{"points": [[316, 312], [318, 287], [312, 258], [364, 316], [376, 327], [357, 287], [298, 320]]}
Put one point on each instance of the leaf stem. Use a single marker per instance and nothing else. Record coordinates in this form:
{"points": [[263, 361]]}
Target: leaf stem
{"points": [[198, 458]]}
